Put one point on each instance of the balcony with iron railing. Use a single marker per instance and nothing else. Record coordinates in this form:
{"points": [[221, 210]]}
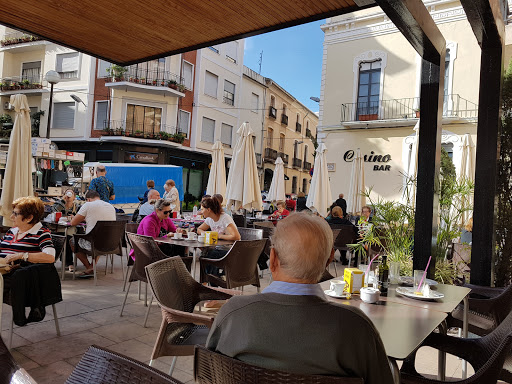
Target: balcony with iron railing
{"points": [[307, 166], [298, 127], [284, 119], [144, 130], [31, 83], [297, 163], [17, 37], [283, 156], [272, 112], [270, 155], [454, 106], [141, 78]]}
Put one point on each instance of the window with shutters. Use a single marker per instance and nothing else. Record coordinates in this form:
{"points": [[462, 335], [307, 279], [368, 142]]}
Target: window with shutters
{"points": [[31, 71], [270, 137], [226, 134], [101, 118], [281, 143], [211, 82], [255, 102], [63, 116], [232, 51], [229, 93], [68, 65], [188, 75], [208, 130], [184, 122]]}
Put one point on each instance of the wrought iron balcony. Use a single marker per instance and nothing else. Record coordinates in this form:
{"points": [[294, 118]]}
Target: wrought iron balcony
{"points": [[307, 166], [283, 156], [298, 127], [297, 163], [284, 119], [33, 81], [143, 130], [17, 37], [407, 108], [272, 112], [270, 155], [137, 74]]}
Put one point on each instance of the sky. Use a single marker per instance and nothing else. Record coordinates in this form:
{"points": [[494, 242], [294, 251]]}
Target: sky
{"points": [[292, 57]]}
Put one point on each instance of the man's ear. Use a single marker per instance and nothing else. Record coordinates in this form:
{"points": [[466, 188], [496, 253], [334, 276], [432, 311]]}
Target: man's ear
{"points": [[273, 261], [331, 258]]}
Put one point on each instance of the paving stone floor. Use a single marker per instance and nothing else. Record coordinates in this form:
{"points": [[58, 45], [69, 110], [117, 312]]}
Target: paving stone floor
{"points": [[89, 315]]}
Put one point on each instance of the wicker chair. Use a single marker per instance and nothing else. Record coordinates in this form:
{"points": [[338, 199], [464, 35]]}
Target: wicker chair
{"points": [[486, 355], [214, 368], [345, 236], [488, 307], [177, 293], [105, 238], [240, 220], [239, 265], [146, 251], [130, 228], [59, 242], [100, 365], [257, 234]]}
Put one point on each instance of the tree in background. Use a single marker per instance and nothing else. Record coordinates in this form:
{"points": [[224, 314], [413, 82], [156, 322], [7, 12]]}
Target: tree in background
{"points": [[503, 258]]}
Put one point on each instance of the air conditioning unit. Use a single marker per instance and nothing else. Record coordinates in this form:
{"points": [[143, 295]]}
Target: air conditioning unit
{"points": [[8, 106]]}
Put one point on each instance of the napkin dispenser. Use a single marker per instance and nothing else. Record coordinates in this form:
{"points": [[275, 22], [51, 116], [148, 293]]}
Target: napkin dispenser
{"points": [[354, 280], [211, 237]]}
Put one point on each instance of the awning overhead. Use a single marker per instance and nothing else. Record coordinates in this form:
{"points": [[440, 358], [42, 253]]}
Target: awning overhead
{"points": [[133, 31]]}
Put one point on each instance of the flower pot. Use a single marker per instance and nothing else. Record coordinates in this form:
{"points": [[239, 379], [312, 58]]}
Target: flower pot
{"points": [[417, 114], [371, 116]]}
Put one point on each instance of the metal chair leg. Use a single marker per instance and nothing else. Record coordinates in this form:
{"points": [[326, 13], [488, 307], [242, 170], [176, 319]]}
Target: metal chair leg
{"points": [[112, 264], [147, 311], [106, 265], [10, 333], [56, 319], [74, 264], [125, 297], [173, 365], [146, 295], [94, 265]]}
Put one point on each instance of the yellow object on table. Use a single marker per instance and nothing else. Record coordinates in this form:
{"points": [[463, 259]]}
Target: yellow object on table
{"points": [[211, 237], [354, 280]]}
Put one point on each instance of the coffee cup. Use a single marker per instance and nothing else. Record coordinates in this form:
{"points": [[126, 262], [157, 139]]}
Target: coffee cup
{"points": [[337, 286], [178, 235], [192, 235], [201, 238]]}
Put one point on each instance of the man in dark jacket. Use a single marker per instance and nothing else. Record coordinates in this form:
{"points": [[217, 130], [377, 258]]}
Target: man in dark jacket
{"points": [[342, 203]]}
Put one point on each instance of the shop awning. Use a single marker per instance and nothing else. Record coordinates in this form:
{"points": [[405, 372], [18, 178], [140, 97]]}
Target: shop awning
{"points": [[133, 31]]}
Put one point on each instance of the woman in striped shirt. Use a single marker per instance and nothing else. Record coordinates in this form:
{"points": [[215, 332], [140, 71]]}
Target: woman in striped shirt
{"points": [[27, 240]]}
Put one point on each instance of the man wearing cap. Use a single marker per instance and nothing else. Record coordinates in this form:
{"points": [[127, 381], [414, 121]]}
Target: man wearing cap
{"points": [[102, 185]]}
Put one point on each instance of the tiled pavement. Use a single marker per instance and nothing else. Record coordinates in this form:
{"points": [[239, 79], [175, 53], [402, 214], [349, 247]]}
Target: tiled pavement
{"points": [[89, 315]]}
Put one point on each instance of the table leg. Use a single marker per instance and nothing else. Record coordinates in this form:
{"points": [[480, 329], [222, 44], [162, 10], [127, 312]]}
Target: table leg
{"points": [[63, 255], [441, 356], [465, 334], [194, 259]]}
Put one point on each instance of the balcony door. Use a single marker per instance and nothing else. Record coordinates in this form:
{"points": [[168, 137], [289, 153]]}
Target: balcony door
{"points": [[368, 92], [143, 119], [31, 71]]}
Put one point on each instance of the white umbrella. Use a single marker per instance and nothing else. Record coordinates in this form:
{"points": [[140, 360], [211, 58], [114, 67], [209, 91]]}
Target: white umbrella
{"points": [[356, 199], [319, 196], [243, 188], [276, 191], [409, 195], [217, 178], [467, 172], [18, 171]]}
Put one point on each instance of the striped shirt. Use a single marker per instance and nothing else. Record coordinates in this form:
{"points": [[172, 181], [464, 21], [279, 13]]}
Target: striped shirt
{"points": [[36, 239], [286, 288]]}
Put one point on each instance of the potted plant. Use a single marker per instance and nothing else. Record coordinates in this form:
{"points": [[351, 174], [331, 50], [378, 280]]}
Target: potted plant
{"points": [[181, 88], [127, 133], [163, 135], [138, 133], [154, 82], [417, 112], [116, 72], [172, 84], [107, 131], [162, 83]]}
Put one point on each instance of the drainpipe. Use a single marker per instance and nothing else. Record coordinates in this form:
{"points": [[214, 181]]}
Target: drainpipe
{"points": [[262, 177]]}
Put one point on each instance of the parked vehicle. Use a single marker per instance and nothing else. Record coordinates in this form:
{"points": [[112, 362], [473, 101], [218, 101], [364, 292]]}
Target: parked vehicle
{"points": [[267, 204]]}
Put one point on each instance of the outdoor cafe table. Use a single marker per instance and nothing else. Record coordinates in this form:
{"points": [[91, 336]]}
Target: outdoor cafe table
{"points": [[195, 245]]}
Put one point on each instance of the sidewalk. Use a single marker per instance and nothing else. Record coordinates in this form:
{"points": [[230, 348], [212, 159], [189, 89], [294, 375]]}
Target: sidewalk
{"points": [[90, 315]]}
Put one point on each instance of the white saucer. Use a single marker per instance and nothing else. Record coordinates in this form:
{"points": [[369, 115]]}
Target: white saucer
{"points": [[409, 292], [189, 239], [173, 238], [409, 281], [328, 292]]}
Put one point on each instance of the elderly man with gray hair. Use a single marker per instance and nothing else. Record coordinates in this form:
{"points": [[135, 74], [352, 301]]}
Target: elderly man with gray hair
{"points": [[291, 326]]}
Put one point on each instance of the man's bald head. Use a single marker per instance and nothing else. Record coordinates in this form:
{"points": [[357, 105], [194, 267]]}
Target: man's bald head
{"points": [[100, 169], [303, 244], [153, 194]]}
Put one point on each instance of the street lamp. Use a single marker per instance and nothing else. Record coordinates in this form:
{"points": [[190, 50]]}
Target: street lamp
{"points": [[314, 98], [51, 77], [77, 99]]}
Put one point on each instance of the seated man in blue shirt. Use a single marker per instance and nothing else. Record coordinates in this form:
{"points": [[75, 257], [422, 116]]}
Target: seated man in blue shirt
{"points": [[291, 326]]}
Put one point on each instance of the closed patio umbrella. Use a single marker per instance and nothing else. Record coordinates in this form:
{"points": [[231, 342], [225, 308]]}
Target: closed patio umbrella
{"points": [[467, 172], [319, 196], [356, 199], [217, 178], [18, 171], [276, 191], [243, 187]]}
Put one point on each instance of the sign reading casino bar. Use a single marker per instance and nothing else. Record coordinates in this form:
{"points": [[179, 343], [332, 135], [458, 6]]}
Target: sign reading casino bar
{"points": [[372, 158]]}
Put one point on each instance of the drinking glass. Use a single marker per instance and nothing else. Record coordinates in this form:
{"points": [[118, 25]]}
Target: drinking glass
{"points": [[418, 275], [394, 272]]}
